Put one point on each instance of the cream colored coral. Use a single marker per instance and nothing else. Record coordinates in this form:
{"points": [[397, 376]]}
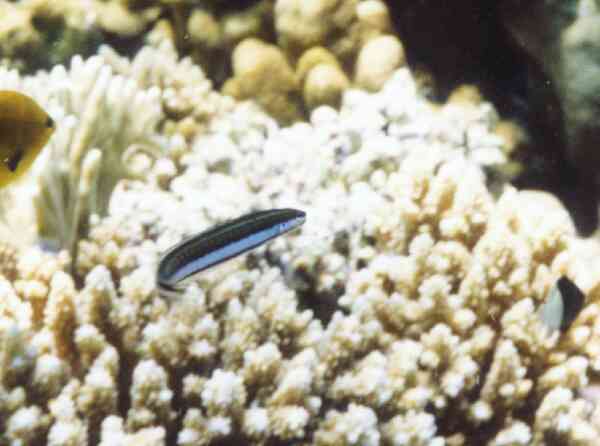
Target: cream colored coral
{"points": [[98, 394], [306, 24], [150, 396], [289, 422], [185, 90], [261, 364], [115, 18], [97, 297], [97, 136], [261, 72], [377, 61], [413, 428], [224, 392], [374, 16], [199, 429], [203, 28], [256, 422], [564, 418], [295, 382], [26, 425], [59, 313], [49, 375], [369, 382], [506, 384], [518, 433], [573, 373], [358, 425], [17, 30], [341, 26], [67, 427], [113, 433], [345, 338], [408, 299], [324, 85], [523, 326]]}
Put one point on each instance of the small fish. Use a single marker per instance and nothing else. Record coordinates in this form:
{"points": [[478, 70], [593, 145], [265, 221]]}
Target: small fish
{"points": [[24, 130], [221, 243], [562, 306]]}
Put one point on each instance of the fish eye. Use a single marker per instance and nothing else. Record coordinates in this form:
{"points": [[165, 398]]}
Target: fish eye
{"points": [[49, 122]]}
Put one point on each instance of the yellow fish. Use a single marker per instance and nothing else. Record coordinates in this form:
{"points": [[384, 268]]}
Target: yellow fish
{"points": [[24, 130]]}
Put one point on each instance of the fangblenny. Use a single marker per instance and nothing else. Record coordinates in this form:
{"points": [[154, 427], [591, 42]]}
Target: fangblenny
{"points": [[222, 242]]}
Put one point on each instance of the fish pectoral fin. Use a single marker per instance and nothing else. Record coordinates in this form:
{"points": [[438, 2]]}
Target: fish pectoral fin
{"points": [[12, 162]]}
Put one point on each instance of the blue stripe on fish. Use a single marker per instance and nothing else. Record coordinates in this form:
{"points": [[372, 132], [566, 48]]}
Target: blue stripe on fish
{"points": [[223, 242]]}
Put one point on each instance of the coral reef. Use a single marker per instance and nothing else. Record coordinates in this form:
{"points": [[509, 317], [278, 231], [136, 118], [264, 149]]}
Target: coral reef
{"points": [[109, 112], [377, 60], [338, 34], [39, 34], [567, 55], [260, 71], [274, 34], [402, 313]]}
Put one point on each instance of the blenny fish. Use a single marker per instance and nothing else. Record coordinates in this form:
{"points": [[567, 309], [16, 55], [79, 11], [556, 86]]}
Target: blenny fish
{"points": [[220, 243]]}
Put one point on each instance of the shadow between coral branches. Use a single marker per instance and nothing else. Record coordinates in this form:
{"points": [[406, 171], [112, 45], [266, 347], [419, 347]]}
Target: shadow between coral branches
{"points": [[466, 43]]}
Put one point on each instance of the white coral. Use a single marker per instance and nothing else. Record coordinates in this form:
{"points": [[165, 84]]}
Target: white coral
{"points": [[358, 425], [416, 429], [289, 422], [106, 109], [407, 299], [517, 433], [150, 395], [223, 392]]}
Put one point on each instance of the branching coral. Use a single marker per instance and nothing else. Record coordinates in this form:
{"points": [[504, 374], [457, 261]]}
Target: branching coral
{"points": [[187, 94], [273, 37], [322, 40], [403, 313], [86, 157], [109, 111], [39, 34], [262, 72]]}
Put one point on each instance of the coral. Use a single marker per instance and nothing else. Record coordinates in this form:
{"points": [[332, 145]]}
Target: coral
{"points": [[204, 29], [115, 18], [302, 25], [404, 311], [39, 34], [88, 154], [26, 425], [568, 61], [18, 34], [272, 36], [150, 396], [343, 27], [261, 72], [355, 33], [413, 428], [8, 260], [113, 433], [188, 99], [358, 425], [323, 79], [321, 39], [377, 60], [102, 137]]}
